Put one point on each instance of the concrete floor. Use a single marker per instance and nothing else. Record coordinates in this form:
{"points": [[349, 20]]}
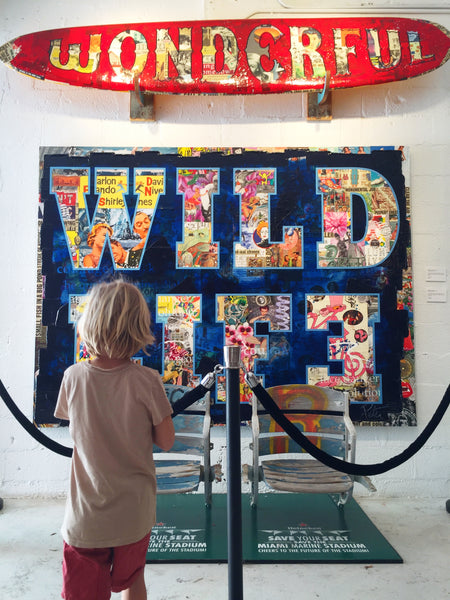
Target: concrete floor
{"points": [[419, 529]]}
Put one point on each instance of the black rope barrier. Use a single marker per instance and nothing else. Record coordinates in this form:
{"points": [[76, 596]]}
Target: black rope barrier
{"points": [[31, 428], [267, 402], [193, 395], [336, 463], [181, 404]]}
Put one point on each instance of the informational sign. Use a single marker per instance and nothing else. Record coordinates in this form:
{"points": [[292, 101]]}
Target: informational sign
{"points": [[296, 528], [299, 256], [234, 56]]}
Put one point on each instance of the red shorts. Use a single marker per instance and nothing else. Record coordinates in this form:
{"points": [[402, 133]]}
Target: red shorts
{"points": [[93, 573]]}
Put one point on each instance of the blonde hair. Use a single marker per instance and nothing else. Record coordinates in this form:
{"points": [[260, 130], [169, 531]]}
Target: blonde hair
{"points": [[116, 321], [260, 226], [95, 229]]}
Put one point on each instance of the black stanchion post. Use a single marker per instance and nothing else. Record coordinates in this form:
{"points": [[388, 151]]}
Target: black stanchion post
{"points": [[234, 506]]}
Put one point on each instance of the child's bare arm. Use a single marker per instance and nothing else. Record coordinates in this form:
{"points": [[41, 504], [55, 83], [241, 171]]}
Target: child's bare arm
{"points": [[164, 434]]}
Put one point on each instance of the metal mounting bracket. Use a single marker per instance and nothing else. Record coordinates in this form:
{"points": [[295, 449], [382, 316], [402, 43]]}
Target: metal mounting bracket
{"points": [[141, 103], [319, 104]]}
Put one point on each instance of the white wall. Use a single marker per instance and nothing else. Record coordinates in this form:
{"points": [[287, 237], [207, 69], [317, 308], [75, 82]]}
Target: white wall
{"points": [[413, 113]]}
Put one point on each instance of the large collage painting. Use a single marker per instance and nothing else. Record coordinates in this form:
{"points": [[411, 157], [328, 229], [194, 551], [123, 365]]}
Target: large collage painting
{"points": [[302, 257]]}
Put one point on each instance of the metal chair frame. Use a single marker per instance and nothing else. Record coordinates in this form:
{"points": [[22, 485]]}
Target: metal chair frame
{"points": [[188, 463], [323, 416]]}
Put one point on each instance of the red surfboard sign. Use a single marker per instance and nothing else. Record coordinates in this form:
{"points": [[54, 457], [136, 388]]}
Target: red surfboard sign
{"points": [[233, 57]]}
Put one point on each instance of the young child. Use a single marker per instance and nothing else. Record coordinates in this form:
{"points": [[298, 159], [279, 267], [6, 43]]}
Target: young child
{"points": [[117, 410]]}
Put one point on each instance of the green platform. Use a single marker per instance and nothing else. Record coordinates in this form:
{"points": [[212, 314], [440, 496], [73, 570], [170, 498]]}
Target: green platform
{"points": [[283, 528]]}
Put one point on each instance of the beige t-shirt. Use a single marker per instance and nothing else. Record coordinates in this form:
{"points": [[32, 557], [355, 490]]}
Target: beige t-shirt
{"points": [[112, 496]]}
